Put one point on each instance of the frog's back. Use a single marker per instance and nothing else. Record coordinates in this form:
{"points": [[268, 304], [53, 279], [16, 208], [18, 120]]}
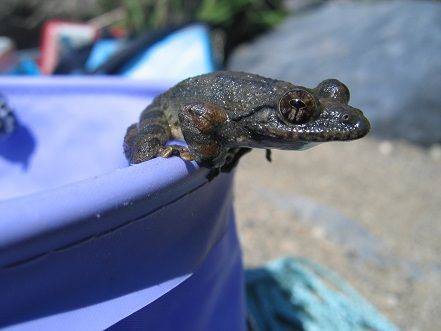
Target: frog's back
{"points": [[237, 92]]}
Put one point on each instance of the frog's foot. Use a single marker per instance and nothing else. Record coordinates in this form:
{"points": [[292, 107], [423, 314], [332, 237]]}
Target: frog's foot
{"points": [[176, 150]]}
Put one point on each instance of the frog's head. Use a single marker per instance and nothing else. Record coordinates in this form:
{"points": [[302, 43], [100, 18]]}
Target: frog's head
{"points": [[305, 116]]}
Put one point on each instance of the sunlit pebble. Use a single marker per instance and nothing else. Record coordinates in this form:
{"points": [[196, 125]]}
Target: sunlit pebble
{"points": [[391, 300], [318, 232], [435, 152], [385, 147]]}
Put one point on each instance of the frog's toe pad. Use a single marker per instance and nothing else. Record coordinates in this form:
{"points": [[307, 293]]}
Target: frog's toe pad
{"points": [[176, 150]]}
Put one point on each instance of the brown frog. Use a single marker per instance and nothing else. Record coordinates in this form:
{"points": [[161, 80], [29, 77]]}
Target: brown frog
{"points": [[222, 115]]}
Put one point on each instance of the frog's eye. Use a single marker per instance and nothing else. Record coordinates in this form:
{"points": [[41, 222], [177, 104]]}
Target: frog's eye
{"points": [[297, 106]]}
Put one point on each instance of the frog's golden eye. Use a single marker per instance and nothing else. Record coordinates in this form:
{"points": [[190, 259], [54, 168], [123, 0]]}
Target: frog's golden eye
{"points": [[297, 106]]}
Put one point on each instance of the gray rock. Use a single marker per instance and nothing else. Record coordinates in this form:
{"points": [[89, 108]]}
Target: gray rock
{"points": [[388, 53]]}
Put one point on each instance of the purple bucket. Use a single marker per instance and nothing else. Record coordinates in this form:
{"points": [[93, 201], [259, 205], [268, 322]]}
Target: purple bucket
{"points": [[88, 243]]}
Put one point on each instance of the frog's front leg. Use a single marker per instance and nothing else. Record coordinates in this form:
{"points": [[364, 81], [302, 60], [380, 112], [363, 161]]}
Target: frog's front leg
{"points": [[233, 158], [200, 124], [147, 139]]}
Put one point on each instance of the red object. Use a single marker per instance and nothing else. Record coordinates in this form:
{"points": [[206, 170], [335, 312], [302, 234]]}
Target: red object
{"points": [[118, 32], [59, 37]]}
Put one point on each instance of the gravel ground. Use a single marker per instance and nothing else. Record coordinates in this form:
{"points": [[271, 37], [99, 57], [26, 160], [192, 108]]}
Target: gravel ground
{"points": [[368, 210]]}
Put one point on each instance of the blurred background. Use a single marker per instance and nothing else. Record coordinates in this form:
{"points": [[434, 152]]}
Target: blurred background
{"points": [[368, 210]]}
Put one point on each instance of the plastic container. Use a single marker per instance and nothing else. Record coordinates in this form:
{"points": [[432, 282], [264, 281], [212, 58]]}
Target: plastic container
{"points": [[88, 243]]}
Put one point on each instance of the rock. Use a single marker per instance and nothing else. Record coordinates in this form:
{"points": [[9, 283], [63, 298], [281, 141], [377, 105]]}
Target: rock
{"points": [[388, 53]]}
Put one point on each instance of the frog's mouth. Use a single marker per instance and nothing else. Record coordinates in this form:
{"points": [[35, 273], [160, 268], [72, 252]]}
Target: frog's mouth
{"points": [[337, 128], [265, 129]]}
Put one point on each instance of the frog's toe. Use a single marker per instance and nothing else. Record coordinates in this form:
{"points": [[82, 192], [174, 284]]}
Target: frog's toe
{"points": [[176, 150], [186, 155], [166, 151]]}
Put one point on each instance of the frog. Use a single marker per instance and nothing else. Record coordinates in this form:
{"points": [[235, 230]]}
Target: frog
{"points": [[222, 115]]}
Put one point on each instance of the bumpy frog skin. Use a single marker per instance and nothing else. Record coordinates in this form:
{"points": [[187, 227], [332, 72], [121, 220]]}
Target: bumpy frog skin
{"points": [[222, 115]]}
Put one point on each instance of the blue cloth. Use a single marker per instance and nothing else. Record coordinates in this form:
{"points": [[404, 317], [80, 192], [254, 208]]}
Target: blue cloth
{"points": [[298, 294], [101, 51], [184, 53], [88, 243]]}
